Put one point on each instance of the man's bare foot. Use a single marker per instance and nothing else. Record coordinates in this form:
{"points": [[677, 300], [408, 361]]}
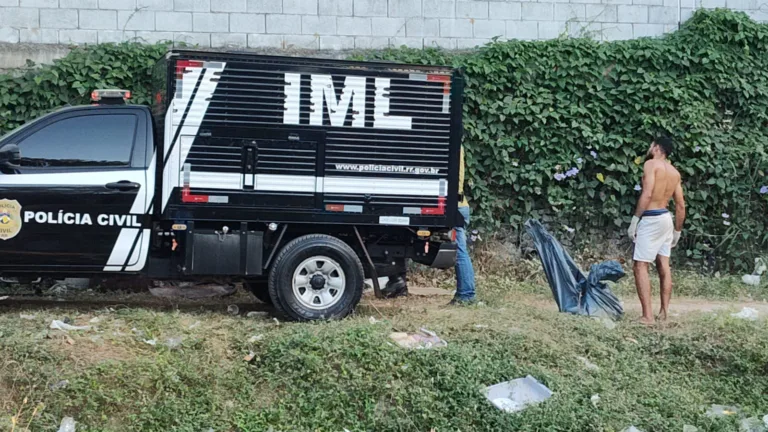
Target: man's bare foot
{"points": [[662, 316], [646, 321]]}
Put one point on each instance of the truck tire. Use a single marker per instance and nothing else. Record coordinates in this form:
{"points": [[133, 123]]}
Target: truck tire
{"points": [[316, 277], [259, 288]]}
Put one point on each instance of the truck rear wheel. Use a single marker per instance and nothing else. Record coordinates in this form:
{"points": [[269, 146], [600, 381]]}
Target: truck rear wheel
{"points": [[316, 277]]}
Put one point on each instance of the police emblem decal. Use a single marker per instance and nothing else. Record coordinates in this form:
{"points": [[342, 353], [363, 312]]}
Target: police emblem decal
{"points": [[10, 219]]}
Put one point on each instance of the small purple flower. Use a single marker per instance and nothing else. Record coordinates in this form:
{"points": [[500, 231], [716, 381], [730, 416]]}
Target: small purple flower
{"points": [[764, 190], [725, 215], [579, 160], [697, 149], [559, 177], [572, 172], [638, 188], [726, 223], [594, 154], [569, 229]]}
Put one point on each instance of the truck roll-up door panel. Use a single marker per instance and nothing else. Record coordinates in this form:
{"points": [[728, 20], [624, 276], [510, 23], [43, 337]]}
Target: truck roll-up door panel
{"points": [[269, 170]]}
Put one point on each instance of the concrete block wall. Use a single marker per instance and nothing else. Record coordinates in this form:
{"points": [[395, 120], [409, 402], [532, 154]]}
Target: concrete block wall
{"points": [[343, 24]]}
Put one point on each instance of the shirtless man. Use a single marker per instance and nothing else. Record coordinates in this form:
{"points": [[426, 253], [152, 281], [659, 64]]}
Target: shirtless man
{"points": [[652, 229]]}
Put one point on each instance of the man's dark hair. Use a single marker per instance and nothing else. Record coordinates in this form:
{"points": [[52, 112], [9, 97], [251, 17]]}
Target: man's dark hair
{"points": [[665, 144]]}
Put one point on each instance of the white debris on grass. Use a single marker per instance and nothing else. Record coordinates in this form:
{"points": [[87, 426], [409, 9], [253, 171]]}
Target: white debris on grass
{"points": [[94, 320], [506, 405], [257, 314], [27, 317], [747, 313], [173, 342], [194, 325], [689, 428], [595, 399], [715, 411], [424, 339], [752, 424], [754, 278], [518, 394], [67, 425], [632, 429], [61, 325], [256, 338], [588, 364], [59, 385], [152, 342]]}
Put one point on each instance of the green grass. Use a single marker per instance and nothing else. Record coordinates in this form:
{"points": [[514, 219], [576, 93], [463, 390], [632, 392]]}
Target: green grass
{"points": [[331, 376]]}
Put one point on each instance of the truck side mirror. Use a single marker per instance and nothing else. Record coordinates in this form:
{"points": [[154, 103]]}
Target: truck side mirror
{"points": [[10, 155]]}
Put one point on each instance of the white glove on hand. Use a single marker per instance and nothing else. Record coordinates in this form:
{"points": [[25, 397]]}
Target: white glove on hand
{"points": [[632, 231], [676, 238]]}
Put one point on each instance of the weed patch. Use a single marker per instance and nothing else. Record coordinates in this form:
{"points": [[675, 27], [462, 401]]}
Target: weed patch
{"points": [[331, 376]]}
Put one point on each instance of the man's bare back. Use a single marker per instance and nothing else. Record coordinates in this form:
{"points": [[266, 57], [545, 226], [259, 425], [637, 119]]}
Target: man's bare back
{"points": [[666, 180], [661, 183]]}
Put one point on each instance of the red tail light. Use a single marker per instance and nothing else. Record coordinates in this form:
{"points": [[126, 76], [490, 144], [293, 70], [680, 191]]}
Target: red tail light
{"points": [[182, 65], [439, 210], [187, 197]]}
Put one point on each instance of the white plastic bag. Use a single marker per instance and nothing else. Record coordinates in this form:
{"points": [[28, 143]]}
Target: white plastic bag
{"points": [[746, 313], [67, 425], [61, 325]]}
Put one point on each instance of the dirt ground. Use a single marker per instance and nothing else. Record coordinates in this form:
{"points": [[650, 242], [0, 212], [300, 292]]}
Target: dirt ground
{"points": [[427, 296]]}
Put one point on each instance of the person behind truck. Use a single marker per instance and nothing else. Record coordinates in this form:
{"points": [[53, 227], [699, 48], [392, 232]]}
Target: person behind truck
{"points": [[397, 285], [465, 274]]}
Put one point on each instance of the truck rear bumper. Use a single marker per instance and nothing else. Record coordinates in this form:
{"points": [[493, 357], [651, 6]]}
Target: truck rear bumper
{"points": [[446, 256]]}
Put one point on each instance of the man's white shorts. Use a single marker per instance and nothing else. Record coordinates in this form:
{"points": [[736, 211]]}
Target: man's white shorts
{"points": [[654, 237]]}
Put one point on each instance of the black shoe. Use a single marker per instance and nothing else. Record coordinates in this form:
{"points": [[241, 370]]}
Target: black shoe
{"points": [[396, 287]]}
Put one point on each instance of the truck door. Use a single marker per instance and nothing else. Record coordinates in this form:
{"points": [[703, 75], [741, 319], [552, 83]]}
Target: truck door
{"points": [[75, 197]]}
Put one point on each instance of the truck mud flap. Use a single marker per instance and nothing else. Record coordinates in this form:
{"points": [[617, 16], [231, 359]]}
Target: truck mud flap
{"points": [[438, 255]]}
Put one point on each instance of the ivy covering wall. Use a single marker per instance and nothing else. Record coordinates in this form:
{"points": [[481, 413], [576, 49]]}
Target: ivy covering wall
{"points": [[70, 80], [557, 129]]}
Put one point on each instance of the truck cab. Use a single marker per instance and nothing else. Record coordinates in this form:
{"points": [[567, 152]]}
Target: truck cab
{"points": [[297, 177], [72, 182]]}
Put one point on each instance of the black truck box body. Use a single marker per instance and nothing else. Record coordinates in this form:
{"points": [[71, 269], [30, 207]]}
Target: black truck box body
{"points": [[281, 139]]}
